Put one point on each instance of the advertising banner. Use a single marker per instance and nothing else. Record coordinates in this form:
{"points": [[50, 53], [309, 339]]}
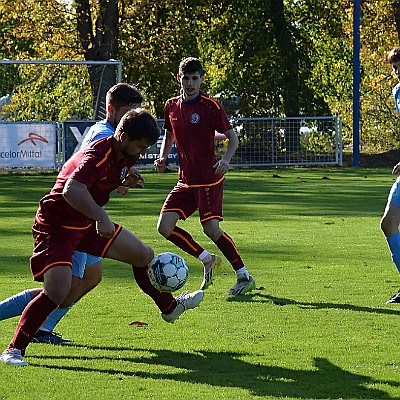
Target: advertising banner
{"points": [[28, 144], [75, 131]]}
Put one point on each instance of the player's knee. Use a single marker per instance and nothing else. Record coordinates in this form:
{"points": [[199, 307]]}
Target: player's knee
{"points": [[388, 226], [143, 257], [150, 255], [214, 233], [164, 229], [57, 294]]}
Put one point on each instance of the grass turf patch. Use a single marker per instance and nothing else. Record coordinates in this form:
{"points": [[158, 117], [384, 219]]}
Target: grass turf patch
{"points": [[316, 327]]}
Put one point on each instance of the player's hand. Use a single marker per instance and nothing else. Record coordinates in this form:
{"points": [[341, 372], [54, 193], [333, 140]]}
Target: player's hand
{"points": [[133, 180], [221, 168], [396, 169], [122, 190], [105, 228], [160, 164]]}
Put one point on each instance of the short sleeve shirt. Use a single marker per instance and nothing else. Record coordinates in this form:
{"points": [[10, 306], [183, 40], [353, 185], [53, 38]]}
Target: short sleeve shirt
{"points": [[99, 130], [97, 167], [194, 124]]}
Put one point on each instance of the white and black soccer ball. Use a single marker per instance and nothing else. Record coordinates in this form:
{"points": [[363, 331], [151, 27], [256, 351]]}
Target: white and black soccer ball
{"points": [[168, 272]]}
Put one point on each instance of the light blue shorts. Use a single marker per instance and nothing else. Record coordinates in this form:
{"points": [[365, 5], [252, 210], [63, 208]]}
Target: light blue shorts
{"points": [[80, 261], [394, 195]]}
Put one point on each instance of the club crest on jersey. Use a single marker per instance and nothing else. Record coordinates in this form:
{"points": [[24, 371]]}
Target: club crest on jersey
{"points": [[123, 173], [194, 118]]}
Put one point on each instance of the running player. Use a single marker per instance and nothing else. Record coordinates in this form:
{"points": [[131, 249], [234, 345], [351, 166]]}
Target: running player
{"points": [[191, 120], [391, 217]]}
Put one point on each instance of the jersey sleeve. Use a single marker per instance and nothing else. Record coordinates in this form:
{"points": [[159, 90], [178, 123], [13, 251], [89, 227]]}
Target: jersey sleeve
{"points": [[97, 136], [222, 123], [86, 172], [167, 122]]}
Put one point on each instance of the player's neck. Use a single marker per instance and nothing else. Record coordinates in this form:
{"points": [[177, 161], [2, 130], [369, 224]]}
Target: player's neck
{"points": [[192, 99]]}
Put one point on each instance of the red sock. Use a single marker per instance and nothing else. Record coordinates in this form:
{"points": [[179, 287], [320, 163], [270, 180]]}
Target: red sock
{"points": [[32, 318], [229, 250], [179, 237], [165, 301]]}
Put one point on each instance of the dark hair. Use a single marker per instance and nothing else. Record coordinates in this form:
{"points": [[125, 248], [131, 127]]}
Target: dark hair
{"points": [[123, 94], [139, 124], [190, 65], [394, 55]]}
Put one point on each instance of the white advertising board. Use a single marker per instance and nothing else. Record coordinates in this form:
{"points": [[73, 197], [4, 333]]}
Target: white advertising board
{"points": [[28, 145]]}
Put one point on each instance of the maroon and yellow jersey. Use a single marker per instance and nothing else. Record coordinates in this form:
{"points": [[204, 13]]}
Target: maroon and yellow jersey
{"points": [[97, 167], [194, 124]]}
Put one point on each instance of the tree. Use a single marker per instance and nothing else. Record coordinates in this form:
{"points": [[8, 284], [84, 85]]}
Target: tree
{"points": [[98, 35], [263, 57]]}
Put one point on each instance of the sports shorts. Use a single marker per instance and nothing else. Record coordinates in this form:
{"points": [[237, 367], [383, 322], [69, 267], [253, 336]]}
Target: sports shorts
{"points": [[394, 195], [80, 261], [55, 245], [185, 200]]}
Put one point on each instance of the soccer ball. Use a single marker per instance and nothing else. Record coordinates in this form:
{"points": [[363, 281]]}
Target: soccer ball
{"points": [[168, 272]]}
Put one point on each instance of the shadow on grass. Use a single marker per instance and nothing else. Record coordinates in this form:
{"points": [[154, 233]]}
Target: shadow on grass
{"points": [[227, 369], [278, 301]]}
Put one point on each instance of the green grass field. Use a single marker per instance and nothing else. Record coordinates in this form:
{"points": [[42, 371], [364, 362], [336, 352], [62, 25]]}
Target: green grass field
{"points": [[316, 327]]}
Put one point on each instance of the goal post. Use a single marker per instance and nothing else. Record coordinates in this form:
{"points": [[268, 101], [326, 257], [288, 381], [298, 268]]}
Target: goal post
{"points": [[51, 90]]}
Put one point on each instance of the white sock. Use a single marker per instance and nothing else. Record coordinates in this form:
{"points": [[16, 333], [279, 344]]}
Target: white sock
{"points": [[205, 256], [242, 273]]}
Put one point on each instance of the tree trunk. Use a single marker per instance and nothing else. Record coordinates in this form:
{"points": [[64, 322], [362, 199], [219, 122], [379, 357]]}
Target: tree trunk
{"points": [[289, 63], [100, 45], [396, 14]]}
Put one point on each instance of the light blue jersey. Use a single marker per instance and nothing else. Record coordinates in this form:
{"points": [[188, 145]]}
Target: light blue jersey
{"points": [[396, 95], [99, 130], [6, 99]]}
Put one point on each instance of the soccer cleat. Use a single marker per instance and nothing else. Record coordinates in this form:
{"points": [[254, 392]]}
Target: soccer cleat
{"points": [[49, 337], [394, 299], [209, 271], [13, 357], [185, 301], [243, 286]]}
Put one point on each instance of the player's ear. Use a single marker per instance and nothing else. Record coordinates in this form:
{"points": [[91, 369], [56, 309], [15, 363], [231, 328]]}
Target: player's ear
{"points": [[121, 136], [110, 109], [178, 78], [203, 78]]}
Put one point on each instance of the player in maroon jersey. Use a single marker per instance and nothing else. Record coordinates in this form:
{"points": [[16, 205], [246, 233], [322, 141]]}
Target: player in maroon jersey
{"points": [[191, 120], [71, 218]]}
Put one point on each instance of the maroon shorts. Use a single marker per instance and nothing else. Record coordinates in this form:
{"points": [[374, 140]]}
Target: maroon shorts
{"points": [[185, 200], [54, 245]]}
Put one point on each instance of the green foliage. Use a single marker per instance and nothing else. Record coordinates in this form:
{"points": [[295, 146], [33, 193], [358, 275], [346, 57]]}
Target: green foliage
{"points": [[259, 61]]}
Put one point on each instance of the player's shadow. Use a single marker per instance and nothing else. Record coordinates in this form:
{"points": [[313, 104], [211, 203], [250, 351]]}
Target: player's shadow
{"points": [[280, 301], [227, 369]]}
